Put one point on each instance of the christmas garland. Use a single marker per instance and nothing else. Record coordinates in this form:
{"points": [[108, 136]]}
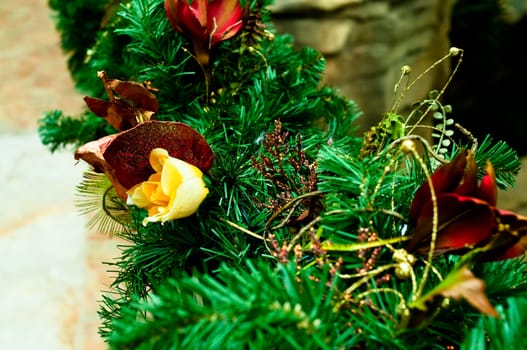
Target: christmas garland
{"points": [[256, 219]]}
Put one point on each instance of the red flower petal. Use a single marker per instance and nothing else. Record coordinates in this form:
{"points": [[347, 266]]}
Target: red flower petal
{"points": [[226, 19], [200, 11], [137, 95], [205, 22], [118, 113], [190, 19], [463, 222], [128, 154], [468, 185], [92, 153], [488, 191], [511, 236], [171, 10], [445, 179], [513, 252]]}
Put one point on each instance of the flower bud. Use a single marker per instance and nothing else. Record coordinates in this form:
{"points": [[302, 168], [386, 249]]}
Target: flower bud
{"points": [[174, 191]]}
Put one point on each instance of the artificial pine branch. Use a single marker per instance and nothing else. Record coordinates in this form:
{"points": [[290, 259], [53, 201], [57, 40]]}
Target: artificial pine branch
{"points": [[77, 23], [284, 84], [57, 130], [507, 332], [232, 311], [239, 274], [504, 278], [504, 159]]}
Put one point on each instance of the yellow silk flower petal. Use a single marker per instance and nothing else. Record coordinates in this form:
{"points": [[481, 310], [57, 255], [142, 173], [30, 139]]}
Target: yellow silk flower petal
{"points": [[175, 191]]}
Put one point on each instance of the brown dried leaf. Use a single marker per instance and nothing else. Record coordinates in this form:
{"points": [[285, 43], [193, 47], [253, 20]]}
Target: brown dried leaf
{"points": [[92, 153], [130, 103], [138, 94], [459, 284], [464, 285]]}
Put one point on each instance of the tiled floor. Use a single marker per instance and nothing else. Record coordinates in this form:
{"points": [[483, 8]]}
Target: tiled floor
{"points": [[51, 269]]}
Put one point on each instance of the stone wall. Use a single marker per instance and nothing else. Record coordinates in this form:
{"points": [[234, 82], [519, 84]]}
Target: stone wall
{"points": [[366, 42]]}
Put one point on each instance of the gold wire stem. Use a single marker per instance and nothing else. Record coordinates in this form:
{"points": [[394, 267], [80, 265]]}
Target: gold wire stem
{"points": [[287, 217], [289, 204], [453, 52], [362, 245], [410, 147], [302, 231], [244, 230], [421, 140], [402, 301], [434, 270], [366, 276], [207, 73], [469, 136], [386, 170], [384, 211], [382, 290], [405, 73]]}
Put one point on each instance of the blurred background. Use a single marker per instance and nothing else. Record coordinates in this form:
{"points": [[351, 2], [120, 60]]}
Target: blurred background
{"points": [[52, 268]]}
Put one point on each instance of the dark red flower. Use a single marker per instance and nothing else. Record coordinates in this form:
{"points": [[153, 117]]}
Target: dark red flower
{"points": [[205, 22], [467, 216], [124, 157]]}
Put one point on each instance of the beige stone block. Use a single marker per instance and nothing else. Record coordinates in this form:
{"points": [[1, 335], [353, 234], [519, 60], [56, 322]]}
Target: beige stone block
{"points": [[327, 35], [324, 5]]}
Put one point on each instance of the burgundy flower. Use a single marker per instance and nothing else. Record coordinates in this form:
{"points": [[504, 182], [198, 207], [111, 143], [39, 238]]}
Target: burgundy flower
{"points": [[205, 22], [467, 216]]}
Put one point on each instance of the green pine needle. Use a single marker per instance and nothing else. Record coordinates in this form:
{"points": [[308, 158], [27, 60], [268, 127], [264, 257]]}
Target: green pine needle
{"points": [[506, 332], [233, 311], [57, 130], [504, 159]]}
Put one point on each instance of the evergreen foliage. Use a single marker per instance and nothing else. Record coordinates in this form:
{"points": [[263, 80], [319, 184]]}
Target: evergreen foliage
{"points": [[299, 242], [233, 311], [503, 158], [58, 131], [506, 332], [78, 23]]}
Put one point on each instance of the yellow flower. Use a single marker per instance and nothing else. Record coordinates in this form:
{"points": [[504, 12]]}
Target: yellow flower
{"points": [[174, 191]]}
